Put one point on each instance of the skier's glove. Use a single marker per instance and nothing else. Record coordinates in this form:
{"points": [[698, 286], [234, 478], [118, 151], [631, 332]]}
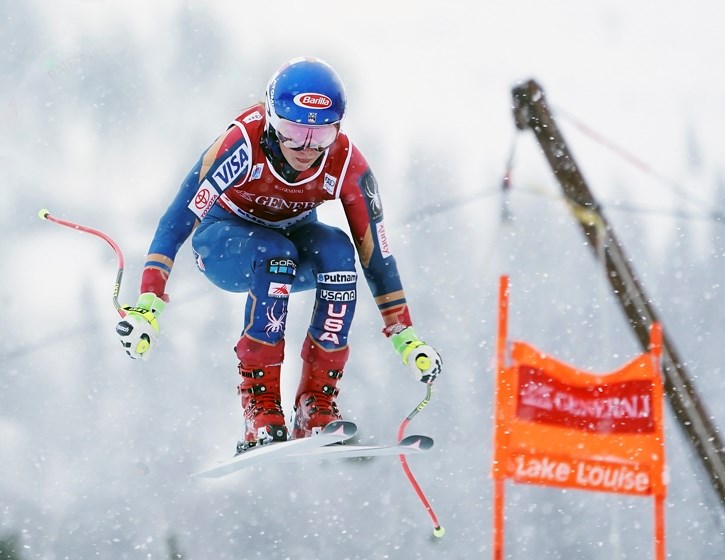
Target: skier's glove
{"points": [[423, 360], [139, 330]]}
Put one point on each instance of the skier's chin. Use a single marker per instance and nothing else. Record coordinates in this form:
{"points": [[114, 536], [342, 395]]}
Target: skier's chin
{"points": [[301, 160]]}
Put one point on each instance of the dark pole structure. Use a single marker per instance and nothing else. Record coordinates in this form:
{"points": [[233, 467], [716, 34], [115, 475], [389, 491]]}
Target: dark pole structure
{"points": [[531, 112]]}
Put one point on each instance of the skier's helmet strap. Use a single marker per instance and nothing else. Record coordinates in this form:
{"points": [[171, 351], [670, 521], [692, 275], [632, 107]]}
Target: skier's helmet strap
{"points": [[305, 91]]}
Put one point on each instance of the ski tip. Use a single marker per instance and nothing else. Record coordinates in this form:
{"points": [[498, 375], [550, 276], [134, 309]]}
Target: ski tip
{"points": [[219, 470], [341, 427], [422, 443], [204, 474]]}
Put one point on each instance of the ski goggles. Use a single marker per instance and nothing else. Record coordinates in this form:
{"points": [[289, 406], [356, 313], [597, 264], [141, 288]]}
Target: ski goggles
{"points": [[298, 137]]}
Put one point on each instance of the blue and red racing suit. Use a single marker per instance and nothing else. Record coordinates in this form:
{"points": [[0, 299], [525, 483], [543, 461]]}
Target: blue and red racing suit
{"points": [[258, 232]]}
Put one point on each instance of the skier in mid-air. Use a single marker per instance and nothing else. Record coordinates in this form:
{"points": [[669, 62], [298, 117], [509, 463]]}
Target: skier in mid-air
{"points": [[250, 202]]}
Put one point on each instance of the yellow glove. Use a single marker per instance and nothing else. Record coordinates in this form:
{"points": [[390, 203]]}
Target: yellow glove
{"points": [[139, 330], [423, 360]]}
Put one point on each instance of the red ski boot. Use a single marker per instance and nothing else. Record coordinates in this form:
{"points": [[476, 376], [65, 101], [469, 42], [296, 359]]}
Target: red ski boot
{"points": [[263, 416], [315, 406]]}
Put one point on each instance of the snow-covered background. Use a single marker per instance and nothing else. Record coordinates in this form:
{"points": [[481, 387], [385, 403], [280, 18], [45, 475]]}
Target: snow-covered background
{"points": [[105, 105]]}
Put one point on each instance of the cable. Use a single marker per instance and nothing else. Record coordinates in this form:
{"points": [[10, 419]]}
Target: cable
{"points": [[689, 197]]}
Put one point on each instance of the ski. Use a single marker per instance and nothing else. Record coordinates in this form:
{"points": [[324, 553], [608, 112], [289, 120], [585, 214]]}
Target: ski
{"points": [[335, 432], [319, 447], [409, 445]]}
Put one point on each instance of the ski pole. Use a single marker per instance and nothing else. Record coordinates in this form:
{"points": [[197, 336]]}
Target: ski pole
{"points": [[438, 531], [45, 215]]}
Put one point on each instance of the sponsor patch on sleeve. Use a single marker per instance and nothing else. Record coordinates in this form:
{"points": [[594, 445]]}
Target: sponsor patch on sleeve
{"points": [[203, 200], [282, 266], [337, 277], [279, 290], [383, 240], [338, 295]]}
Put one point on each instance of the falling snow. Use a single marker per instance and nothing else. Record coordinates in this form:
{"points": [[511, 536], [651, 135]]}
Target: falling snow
{"points": [[104, 109]]}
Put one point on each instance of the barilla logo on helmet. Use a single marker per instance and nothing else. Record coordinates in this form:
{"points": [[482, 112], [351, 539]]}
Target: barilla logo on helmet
{"points": [[312, 100]]}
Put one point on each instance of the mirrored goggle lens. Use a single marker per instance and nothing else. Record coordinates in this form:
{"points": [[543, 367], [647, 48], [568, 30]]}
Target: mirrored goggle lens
{"points": [[299, 136]]}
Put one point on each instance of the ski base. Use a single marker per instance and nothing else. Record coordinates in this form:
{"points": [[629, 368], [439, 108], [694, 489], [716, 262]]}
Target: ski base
{"points": [[335, 432], [325, 445]]}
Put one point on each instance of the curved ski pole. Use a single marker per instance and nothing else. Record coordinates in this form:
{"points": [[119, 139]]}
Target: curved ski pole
{"points": [[438, 531], [45, 215]]}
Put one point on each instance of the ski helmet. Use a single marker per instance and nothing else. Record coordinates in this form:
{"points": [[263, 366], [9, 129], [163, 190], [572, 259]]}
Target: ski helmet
{"points": [[306, 91]]}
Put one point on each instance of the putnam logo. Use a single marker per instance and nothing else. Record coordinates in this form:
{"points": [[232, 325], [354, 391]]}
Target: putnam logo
{"points": [[341, 277], [312, 100]]}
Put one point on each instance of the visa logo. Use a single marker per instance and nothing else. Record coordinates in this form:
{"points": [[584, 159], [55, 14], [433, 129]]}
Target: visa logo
{"points": [[232, 167]]}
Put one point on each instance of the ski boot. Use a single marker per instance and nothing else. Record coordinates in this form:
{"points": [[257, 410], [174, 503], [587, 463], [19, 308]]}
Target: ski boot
{"points": [[263, 416], [315, 407]]}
